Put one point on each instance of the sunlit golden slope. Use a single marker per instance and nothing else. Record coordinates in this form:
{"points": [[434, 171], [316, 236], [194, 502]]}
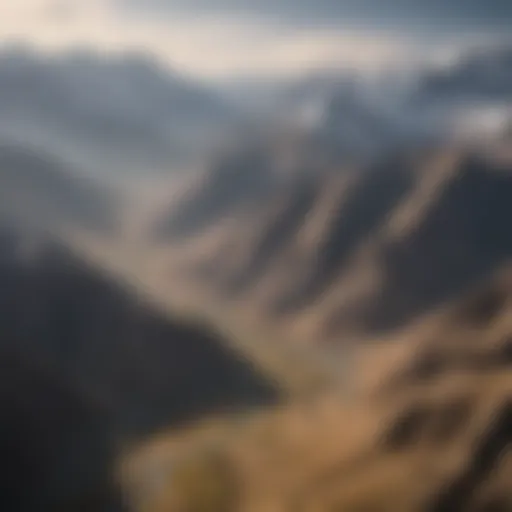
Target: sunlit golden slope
{"points": [[430, 432]]}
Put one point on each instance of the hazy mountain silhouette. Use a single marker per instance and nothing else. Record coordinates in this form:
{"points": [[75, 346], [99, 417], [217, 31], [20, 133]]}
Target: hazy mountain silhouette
{"points": [[107, 113], [477, 75], [414, 242], [235, 183], [37, 187], [350, 116]]}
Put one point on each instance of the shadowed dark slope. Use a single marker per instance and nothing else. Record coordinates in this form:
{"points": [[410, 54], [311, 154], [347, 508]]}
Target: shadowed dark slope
{"points": [[297, 204], [370, 200], [57, 452], [461, 238], [150, 371]]}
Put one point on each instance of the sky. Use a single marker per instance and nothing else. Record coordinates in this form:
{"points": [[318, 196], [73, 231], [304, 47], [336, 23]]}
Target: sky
{"points": [[225, 39]]}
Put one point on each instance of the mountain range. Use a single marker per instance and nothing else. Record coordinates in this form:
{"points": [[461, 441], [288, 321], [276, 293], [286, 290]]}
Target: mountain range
{"points": [[108, 114], [316, 320], [362, 250]]}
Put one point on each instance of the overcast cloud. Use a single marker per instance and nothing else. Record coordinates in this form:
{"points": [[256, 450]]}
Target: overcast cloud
{"points": [[431, 15], [219, 39]]}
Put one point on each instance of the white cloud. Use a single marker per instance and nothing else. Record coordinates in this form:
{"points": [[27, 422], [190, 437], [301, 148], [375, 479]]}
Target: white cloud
{"points": [[210, 47]]}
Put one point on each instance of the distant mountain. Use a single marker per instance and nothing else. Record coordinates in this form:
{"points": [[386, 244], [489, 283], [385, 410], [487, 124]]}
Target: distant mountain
{"points": [[108, 113], [128, 113], [481, 74], [356, 117], [357, 127], [37, 188]]}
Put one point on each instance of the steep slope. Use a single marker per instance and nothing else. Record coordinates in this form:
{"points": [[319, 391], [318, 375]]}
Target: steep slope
{"points": [[364, 250], [233, 186], [38, 188], [429, 432], [454, 241], [103, 337], [57, 451]]}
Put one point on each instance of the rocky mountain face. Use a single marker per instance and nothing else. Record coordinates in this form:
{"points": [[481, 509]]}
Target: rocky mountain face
{"points": [[88, 366], [427, 429], [409, 257], [396, 268], [57, 450], [370, 248], [106, 339]]}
